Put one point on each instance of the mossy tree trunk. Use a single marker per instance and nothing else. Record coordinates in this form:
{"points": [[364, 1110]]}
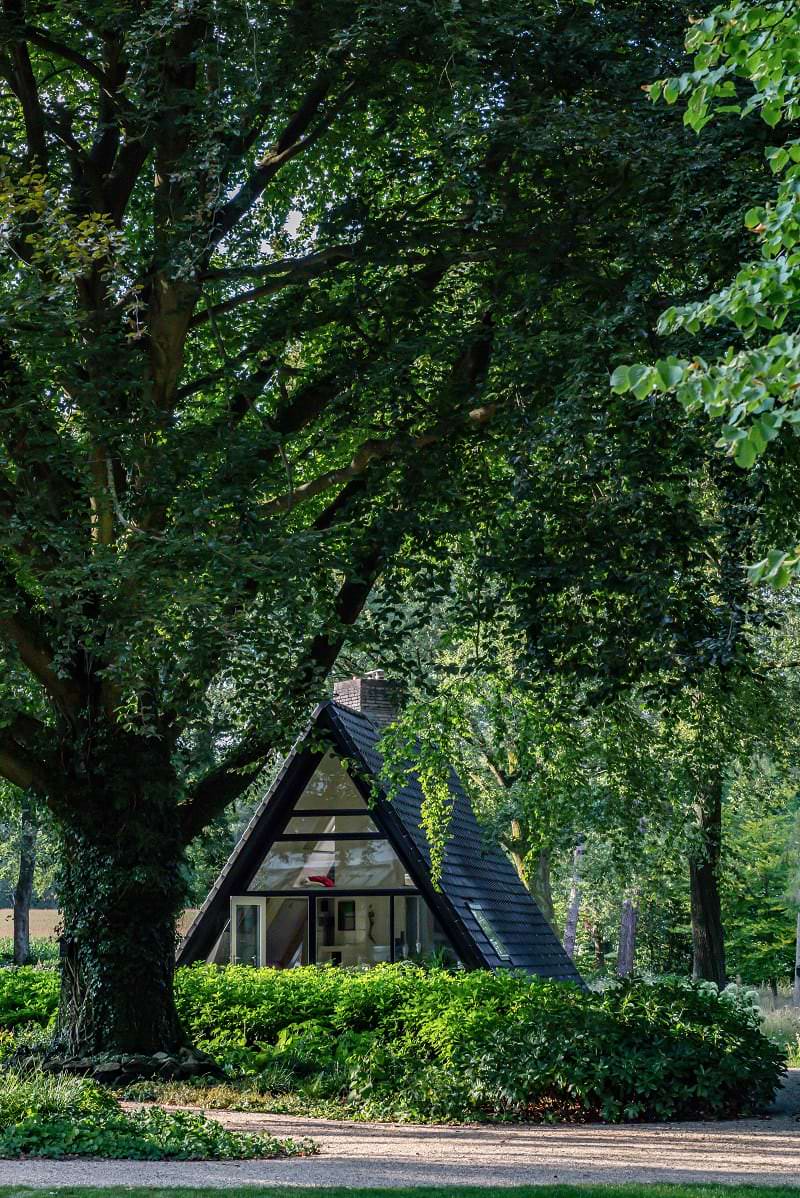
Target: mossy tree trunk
{"points": [[122, 888]]}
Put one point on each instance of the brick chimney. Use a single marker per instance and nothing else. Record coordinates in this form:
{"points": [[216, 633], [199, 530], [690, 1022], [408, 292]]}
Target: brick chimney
{"points": [[373, 694]]}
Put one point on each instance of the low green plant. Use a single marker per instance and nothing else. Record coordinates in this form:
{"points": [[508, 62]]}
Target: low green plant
{"points": [[28, 994], [57, 1115], [402, 1042], [411, 1043]]}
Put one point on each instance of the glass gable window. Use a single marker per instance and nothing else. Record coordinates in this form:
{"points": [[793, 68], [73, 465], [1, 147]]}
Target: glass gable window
{"points": [[328, 864], [327, 889], [353, 931], [331, 788]]}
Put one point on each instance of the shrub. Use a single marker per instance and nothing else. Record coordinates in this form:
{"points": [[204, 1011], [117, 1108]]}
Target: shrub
{"points": [[403, 1042], [407, 1043], [50, 1115], [28, 994]]}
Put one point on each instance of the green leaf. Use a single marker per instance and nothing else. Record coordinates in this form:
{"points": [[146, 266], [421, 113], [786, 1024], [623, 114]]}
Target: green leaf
{"points": [[771, 113], [745, 454], [754, 217], [669, 373], [620, 380]]}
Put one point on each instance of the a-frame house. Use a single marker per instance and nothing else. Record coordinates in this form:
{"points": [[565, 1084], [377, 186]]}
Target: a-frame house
{"points": [[328, 870]]}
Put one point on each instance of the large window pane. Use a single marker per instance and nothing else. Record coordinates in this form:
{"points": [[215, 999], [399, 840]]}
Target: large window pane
{"points": [[287, 932], [319, 825], [353, 931], [418, 934], [331, 787], [325, 864]]}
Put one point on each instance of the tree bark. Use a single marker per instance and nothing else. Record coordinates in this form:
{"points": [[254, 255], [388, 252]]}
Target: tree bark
{"points": [[796, 989], [542, 888], [626, 952], [575, 895], [121, 888], [23, 892], [708, 939], [539, 884]]}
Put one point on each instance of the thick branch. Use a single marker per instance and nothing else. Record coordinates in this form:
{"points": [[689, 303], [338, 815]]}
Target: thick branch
{"points": [[228, 781], [26, 87], [368, 452], [18, 764], [289, 272], [38, 37], [292, 141], [34, 652]]}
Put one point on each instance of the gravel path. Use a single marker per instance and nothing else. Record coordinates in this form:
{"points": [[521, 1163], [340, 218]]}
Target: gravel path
{"points": [[765, 1151]]}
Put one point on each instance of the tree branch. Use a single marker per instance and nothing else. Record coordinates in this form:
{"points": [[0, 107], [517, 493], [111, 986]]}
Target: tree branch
{"points": [[222, 785], [17, 764], [20, 632], [291, 142], [368, 452], [290, 273], [26, 87], [38, 37]]}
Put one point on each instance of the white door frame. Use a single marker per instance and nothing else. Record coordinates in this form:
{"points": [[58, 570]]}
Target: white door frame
{"points": [[250, 900]]}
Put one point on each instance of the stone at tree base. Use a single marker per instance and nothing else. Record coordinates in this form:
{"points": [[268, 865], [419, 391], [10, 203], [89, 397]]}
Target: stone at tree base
{"points": [[119, 1070]]}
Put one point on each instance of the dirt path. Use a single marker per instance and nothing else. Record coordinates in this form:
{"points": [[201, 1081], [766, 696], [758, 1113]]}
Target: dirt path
{"points": [[358, 1154]]}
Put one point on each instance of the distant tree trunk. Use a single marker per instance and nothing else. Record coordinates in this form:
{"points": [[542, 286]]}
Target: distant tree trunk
{"points": [[796, 990], [627, 937], [539, 884], [708, 940], [541, 887], [23, 892], [599, 947], [575, 895]]}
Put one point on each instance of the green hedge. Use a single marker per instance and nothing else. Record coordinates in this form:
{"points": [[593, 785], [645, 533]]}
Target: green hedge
{"points": [[403, 1042]]}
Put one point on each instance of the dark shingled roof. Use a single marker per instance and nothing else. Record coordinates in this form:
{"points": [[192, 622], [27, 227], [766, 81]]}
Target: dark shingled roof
{"points": [[476, 873]]}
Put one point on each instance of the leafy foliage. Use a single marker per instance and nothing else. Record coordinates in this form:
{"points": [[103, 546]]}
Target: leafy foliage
{"points": [[402, 1042], [43, 1115], [27, 995], [744, 60]]}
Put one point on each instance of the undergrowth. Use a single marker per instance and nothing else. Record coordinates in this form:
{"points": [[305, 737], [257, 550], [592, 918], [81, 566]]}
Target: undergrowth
{"points": [[46, 1115], [402, 1042]]}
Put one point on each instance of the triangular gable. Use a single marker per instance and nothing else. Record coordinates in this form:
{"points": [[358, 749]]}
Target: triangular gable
{"points": [[486, 912]]}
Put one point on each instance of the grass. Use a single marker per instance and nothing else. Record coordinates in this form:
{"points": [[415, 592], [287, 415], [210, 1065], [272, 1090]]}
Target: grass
{"points": [[545, 1191], [43, 952], [240, 1095], [782, 1024]]}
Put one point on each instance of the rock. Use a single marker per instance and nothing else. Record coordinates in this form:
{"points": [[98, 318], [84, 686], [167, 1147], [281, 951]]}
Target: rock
{"points": [[104, 1068]]}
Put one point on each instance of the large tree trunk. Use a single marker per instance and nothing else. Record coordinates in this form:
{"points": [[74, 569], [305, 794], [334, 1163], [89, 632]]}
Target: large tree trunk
{"points": [[796, 990], [122, 888], [23, 892], [626, 952], [574, 906], [708, 941]]}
